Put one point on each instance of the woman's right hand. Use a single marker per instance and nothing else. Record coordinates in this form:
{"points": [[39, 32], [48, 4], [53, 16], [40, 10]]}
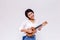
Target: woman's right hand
{"points": [[23, 30]]}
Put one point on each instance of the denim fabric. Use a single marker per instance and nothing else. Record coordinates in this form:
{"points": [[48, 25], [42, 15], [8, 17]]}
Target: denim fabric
{"points": [[29, 38]]}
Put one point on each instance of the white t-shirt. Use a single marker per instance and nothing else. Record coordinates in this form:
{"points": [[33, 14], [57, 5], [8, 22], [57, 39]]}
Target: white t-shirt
{"points": [[28, 24]]}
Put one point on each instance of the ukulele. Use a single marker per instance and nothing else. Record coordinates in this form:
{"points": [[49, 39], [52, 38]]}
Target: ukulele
{"points": [[34, 29]]}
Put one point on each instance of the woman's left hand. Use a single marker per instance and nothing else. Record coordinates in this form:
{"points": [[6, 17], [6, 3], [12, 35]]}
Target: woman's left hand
{"points": [[40, 28]]}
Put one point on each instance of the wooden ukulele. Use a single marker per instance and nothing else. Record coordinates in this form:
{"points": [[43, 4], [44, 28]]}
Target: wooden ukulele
{"points": [[34, 29]]}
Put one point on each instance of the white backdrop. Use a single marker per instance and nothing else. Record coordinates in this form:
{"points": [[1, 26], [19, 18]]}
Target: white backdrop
{"points": [[12, 15]]}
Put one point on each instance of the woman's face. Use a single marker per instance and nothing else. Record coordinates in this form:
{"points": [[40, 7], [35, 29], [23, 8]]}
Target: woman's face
{"points": [[31, 15]]}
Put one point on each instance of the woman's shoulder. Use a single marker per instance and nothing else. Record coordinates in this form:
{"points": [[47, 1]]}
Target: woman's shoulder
{"points": [[25, 21]]}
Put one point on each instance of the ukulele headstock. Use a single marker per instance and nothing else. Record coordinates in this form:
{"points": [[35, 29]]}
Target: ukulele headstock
{"points": [[44, 23]]}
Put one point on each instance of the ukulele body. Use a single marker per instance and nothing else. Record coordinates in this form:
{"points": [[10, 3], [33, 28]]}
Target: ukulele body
{"points": [[33, 31]]}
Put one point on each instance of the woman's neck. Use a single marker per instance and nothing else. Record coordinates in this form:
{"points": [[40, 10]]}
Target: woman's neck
{"points": [[33, 20]]}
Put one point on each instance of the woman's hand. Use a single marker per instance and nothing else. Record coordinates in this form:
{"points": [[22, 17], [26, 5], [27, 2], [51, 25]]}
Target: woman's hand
{"points": [[40, 28], [26, 30], [23, 30]]}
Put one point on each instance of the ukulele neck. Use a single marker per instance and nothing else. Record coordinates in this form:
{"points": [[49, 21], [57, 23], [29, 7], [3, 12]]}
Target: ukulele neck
{"points": [[38, 26]]}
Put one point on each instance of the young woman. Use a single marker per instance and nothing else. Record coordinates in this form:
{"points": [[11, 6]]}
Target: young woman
{"points": [[31, 22]]}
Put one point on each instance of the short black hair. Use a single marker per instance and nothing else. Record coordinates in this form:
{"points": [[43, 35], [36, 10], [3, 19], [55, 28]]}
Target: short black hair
{"points": [[27, 11]]}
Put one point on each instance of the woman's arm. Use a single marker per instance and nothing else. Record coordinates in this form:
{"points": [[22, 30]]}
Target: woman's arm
{"points": [[23, 30]]}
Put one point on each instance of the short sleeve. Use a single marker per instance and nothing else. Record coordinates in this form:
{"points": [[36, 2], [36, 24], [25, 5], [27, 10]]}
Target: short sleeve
{"points": [[22, 26]]}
